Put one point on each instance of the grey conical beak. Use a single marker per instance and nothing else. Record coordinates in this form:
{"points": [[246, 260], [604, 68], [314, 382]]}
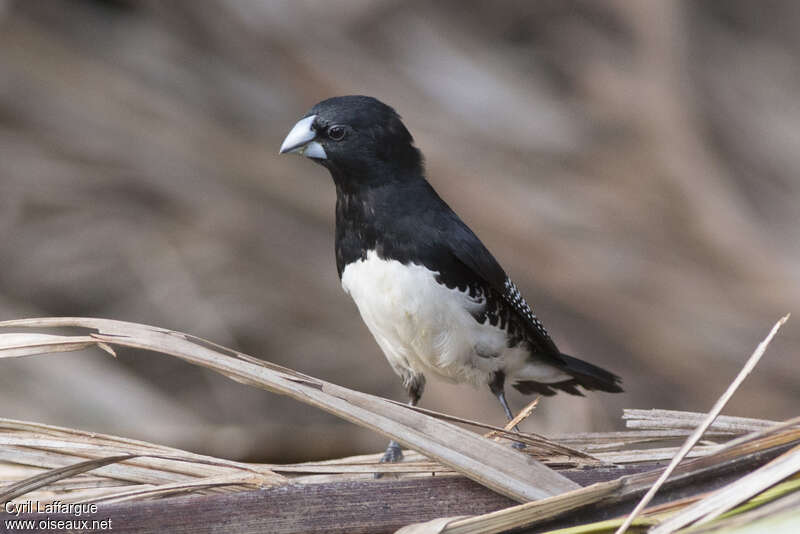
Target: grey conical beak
{"points": [[301, 140]]}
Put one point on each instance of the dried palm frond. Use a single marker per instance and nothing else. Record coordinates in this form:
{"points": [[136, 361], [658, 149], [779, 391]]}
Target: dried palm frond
{"points": [[492, 464]]}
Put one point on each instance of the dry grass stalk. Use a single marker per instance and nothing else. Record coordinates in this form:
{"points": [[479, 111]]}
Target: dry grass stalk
{"points": [[604, 441], [537, 445], [12, 491], [39, 445], [781, 505], [491, 464], [154, 470], [180, 474], [721, 501], [692, 440], [526, 515], [519, 418], [124, 469], [675, 420]]}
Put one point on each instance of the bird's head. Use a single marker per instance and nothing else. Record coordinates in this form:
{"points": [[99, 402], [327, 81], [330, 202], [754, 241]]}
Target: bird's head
{"points": [[358, 138]]}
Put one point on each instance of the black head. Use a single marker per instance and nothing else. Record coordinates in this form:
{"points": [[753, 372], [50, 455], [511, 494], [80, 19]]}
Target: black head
{"points": [[358, 138]]}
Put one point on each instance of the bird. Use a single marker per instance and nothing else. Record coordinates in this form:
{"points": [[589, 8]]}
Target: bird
{"points": [[434, 298]]}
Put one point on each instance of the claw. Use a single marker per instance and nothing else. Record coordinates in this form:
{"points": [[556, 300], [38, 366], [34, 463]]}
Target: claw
{"points": [[393, 454]]}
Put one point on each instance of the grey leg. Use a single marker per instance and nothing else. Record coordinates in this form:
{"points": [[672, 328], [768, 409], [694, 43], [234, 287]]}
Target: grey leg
{"points": [[414, 384], [497, 386]]}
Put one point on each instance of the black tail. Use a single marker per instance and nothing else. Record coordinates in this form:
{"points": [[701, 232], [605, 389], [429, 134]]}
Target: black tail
{"points": [[584, 374]]}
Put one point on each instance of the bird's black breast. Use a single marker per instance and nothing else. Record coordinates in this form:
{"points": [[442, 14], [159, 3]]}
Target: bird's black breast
{"points": [[408, 223]]}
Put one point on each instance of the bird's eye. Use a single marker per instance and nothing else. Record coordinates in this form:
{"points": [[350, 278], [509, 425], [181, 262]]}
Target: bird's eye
{"points": [[336, 132]]}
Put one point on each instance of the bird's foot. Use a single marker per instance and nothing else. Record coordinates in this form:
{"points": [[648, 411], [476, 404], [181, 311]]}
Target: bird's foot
{"points": [[517, 445], [393, 454]]}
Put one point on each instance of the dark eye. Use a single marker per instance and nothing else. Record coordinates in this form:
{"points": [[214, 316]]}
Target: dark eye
{"points": [[336, 132]]}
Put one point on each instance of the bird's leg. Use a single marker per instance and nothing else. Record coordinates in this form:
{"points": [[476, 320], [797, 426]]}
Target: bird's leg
{"points": [[497, 386], [414, 384]]}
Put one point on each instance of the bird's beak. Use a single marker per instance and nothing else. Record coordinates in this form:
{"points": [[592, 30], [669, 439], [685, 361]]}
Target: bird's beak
{"points": [[301, 140]]}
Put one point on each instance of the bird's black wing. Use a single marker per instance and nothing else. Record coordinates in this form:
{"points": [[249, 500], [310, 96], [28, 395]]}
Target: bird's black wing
{"points": [[504, 298], [514, 314]]}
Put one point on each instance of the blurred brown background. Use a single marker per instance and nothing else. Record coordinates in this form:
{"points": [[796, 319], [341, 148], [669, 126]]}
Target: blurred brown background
{"points": [[634, 166]]}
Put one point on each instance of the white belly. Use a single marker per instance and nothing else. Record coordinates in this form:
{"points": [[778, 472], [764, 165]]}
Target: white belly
{"points": [[423, 326]]}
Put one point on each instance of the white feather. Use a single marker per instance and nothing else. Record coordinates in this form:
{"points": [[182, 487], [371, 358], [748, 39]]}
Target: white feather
{"points": [[423, 326]]}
